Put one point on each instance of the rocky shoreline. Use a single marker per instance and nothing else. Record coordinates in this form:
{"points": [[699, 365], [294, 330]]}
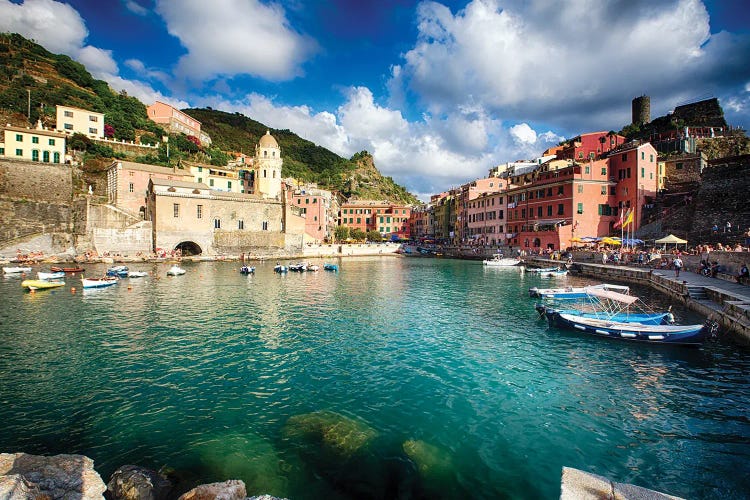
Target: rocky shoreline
{"points": [[24, 476]]}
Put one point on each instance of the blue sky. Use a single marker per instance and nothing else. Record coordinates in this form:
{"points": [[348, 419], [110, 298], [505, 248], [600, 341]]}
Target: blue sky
{"points": [[439, 92]]}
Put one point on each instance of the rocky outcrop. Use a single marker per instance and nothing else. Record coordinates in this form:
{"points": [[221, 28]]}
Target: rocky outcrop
{"points": [[25, 476], [228, 490], [579, 485], [131, 482], [337, 435]]}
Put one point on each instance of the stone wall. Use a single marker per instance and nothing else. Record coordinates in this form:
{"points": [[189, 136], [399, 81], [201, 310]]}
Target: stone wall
{"points": [[48, 182], [683, 170], [127, 241], [722, 197]]}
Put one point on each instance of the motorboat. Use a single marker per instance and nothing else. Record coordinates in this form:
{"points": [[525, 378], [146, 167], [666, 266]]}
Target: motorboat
{"points": [[50, 276], [99, 282], [554, 273], [313, 267], [298, 268], [41, 284], [499, 261], [175, 270], [56, 269], [119, 271], [580, 292], [137, 274], [278, 268], [247, 270], [541, 270], [16, 270], [331, 267], [690, 335]]}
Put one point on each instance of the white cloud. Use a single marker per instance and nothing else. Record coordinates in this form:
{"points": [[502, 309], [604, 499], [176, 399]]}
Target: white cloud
{"points": [[56, 26], [235, 37], [136, 8], [98, 62], [522, 133]]}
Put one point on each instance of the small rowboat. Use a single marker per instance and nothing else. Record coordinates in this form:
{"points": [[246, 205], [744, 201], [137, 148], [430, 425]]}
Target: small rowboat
{"points": [[41, 284], [98, 282], [137, 274], [16, 270], [56, 269], [278, 268], [50, 276], [175, 271], [313, 267]]}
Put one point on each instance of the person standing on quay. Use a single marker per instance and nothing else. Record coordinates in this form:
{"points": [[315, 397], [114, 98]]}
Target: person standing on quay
{"points": [[677, 263]]}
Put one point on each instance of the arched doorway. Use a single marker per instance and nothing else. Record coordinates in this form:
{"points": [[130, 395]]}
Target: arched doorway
{"points": [[188, 248], [537, 242]]}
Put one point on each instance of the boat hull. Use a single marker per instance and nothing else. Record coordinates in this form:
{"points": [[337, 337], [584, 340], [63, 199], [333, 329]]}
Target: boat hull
{"points": [[98, 283], [16, 270], [687, 335], [66, 269], [50, 276], [41, 284]]}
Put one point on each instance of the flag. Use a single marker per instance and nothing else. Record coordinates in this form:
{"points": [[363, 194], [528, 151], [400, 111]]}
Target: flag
{"points": [[619, 222], [628, 219]]}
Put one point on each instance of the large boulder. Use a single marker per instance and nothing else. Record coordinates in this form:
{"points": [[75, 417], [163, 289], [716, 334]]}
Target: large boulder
{"points": [[131, 482], [59, 476], [337, 434], [434, 466], [228, 490]]}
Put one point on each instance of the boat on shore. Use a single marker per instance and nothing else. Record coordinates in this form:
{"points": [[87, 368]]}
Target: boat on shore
{"points": [[16, 270], [56, 269], [688, 335], [41, 284], [580, 292], [499, 261], [99, 282], [175, 270], [50, 276], [247, 270]]}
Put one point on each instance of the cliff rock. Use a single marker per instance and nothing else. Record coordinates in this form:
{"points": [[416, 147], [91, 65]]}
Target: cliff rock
{"points": [[60, 476]]}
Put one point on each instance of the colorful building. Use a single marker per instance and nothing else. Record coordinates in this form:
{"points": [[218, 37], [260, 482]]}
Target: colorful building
{"points": [[390, 220], [127, 184], [315, 206], [80, 121], [36, 144], [486, 219], [469, 192], [176, 121], [590, 146]]}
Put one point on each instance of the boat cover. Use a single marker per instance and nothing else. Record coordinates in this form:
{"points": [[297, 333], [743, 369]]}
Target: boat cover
{"points": [[609, 294]]}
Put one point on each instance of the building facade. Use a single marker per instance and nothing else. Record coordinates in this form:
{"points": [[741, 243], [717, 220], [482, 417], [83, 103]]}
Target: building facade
{"points": [[390, 220], [315, 206], [37, 145], [80, 121], [176, 121], [590, 146], [127, 184], [267, 166]]}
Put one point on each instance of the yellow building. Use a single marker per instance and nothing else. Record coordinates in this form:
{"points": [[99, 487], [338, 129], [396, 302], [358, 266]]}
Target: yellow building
{"points": [[74, 120], [225, 179], [33, 145]]}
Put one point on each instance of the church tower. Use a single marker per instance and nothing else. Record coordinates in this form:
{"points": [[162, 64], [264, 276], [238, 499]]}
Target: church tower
{"points": [[267, 167]]}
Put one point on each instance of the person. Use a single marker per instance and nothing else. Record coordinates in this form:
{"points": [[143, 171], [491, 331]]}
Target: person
{"points": [[714, 268], [744, 273], [728, 227], [677, 263], [715, 229]]}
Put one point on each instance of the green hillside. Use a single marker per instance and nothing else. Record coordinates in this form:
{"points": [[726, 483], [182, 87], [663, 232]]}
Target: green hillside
{"points": [[34, 80]]}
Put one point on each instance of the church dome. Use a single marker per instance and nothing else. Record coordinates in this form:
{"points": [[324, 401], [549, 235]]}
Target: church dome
{"points": [[267, 141]]}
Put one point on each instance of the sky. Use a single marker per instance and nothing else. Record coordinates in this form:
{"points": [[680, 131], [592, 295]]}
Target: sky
{"points": [[438, 91]]}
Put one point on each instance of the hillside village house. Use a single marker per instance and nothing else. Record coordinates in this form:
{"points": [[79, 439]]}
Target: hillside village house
{"points": [[218, 178], [74, 120], [127, 184], [35, 144], [176, 121]]}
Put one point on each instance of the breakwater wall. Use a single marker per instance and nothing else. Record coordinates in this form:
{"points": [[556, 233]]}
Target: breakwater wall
{"points": [[731, 309]]}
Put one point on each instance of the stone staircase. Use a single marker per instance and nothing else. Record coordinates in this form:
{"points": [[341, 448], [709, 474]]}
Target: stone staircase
{"points": [[697, 292]]}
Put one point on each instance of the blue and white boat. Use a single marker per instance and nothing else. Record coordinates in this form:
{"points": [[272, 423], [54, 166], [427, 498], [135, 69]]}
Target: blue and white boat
{"points": [[247, 270], [331, 267], [50, 276], [689, 335], [98, 282], [119, 271], [570, 292], [278, 268]]}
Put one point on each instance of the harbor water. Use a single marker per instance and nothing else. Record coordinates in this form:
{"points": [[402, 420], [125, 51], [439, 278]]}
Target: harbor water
{"points": [[392, 378]]}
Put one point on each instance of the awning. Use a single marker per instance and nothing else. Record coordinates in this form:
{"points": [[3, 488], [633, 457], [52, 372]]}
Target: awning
{"points": [[608, 294], [671, 239]]}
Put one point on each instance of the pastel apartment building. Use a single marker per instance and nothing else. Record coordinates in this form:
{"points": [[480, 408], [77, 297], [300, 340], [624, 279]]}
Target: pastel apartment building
{"points": [[485, 219], [390, 220], [80, 121], [589, 146], [36, 144], [314, 205], [127, 184], [176, 121]]}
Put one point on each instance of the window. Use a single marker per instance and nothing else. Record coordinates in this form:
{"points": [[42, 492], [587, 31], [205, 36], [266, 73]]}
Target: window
{"points": [[2, 151], [229, 184], [679, 165], [580, 155], [643, 155], [199, 211], [68, 114], [560, 189], [217, 223], [613, 190], [604, 189], [580, 188], [34, 155], [625, 157], [45, 156], [19, 138], [35, 140], [210, 182], [51, 142], [200, 169], [92, 130], [264, 226], [93, 118], [549, 210], [307, 202], [580, 208], [651, 158], [68, 126], [131, 188], [200, 180], [315, 200], [539, 211], [176, 207], [265, 173], [19, 152], [643, 172], [587, 169], [240, 224], [604, 170]]}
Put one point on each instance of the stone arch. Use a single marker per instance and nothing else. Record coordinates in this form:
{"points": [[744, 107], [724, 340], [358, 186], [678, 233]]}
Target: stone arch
{"points": [[188, 248]]}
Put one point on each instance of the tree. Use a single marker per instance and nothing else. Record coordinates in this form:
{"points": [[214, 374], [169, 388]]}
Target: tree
{"points": [[341, 233], [374, 235], [357, 234]]}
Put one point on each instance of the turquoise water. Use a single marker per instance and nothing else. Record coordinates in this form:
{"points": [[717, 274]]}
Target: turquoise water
{"points": [[396, 377]]}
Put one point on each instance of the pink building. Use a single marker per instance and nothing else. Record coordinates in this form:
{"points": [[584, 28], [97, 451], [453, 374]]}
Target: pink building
{"points": [[634, 168], [176, 121], [590, 146], [469, 192], [486, 219], [314, 206], [127, 183]]}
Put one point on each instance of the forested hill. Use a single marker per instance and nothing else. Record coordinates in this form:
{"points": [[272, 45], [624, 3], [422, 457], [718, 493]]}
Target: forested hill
{"points": [[36, 80], [303, 160]]}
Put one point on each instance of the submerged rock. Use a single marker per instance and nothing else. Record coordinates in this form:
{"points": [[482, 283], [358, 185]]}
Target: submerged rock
{"points": [[228, 490], [337, 434], [434, 465], [59, 476], [131, 482]]}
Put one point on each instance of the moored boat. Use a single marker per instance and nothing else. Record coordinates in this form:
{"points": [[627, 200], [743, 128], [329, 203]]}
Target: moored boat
{"points": [[278, 268], [331, 267], [137, 274], [690, 335], [247, 270], [120, 271], [50, 276], [99, 282], [499, 261], [56, 269], [570, 292], [313, 267], [298, 268], [175, 270], [16, 270], [41, 284]]}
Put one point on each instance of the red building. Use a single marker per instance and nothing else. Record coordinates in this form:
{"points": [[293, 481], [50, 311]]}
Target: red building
{"points": [[590, 146], [389, 219]]}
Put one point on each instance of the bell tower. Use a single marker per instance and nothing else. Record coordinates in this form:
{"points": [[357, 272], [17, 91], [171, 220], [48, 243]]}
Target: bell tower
{"points": [[267, 167]]}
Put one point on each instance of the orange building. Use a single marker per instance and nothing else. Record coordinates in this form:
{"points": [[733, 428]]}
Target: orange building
{"points": [[389, 219]]}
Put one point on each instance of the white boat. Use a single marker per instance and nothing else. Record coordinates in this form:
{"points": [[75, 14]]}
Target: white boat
{"points": [[571, 292], [98, 282], [278, 268], [16, 270], [500, 261], [50, 276], [313, 267], [175, 270], [137, 274]]}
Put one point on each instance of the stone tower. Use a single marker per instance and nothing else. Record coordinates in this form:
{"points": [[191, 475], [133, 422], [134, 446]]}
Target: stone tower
{"points": [[267, 167], [641, 110]]}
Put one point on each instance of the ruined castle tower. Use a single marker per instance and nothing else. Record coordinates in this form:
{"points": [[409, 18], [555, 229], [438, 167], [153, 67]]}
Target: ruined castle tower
{"points": [[641, 110]]}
